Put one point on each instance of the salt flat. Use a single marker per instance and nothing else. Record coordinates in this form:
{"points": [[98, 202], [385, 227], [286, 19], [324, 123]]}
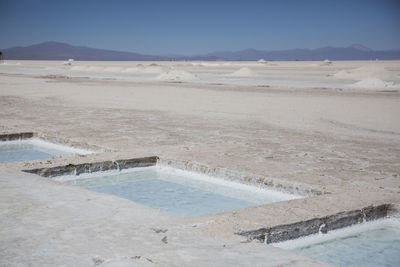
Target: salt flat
{"points": [[334, 127]]}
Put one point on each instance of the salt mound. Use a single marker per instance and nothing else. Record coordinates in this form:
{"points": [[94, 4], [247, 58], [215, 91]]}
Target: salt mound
{"points": [[177, 76], [196, 64], [243, 72], [132, 70], [326, 62], [371, 71], [153, 68], [372, 83], [208, 64], [68, 62], [262, 61]]}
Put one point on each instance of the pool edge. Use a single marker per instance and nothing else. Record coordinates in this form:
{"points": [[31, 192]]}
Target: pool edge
{"points": [[16, 136], [77, 169], [285, 232]]}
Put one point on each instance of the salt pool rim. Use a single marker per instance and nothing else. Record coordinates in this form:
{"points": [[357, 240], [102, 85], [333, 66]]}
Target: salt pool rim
{"points": [[220, 173], [274, 234], [262, 181], [77, 169], [34, 139], [190, 177], [301, 242], [285, 232], [16, 136]]}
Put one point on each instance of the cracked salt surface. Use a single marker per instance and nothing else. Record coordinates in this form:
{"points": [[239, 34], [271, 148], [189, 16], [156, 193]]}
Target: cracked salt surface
{"points": [[179, 192], [34, 149], [375, 243]]}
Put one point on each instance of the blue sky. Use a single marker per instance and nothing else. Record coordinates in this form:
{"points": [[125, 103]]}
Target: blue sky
{"points": [[195, 27]]}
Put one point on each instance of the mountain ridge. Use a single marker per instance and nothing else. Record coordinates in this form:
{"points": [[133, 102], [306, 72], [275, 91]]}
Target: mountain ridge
{"points": [[60, 51], [52, 50]]}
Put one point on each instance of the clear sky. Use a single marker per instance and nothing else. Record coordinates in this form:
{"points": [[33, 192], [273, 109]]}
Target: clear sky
{"points": [[196, 27]]}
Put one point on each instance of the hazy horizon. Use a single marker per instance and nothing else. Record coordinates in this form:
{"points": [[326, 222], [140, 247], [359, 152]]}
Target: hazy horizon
{"points": [[206, 52], [192, 28]]}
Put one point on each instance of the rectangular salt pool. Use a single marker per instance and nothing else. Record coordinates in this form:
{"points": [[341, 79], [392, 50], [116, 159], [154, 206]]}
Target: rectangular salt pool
{"points": [[374, 243], [175, 191], [33, 149]]}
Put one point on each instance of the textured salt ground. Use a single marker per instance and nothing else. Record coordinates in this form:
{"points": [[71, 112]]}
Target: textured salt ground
{"points": [[333, 75], [66, 225], [297, 135]]}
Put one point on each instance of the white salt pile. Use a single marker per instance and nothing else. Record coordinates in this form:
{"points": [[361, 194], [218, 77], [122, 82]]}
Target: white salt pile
{"points": [[11, 64], [68, 62], [209, 64], [150, 69], [243, 72], [369, 71], [132, 70], [153, 69], [177, 76], [196, 64], [372, 83], [262, 61], [327, 62]]}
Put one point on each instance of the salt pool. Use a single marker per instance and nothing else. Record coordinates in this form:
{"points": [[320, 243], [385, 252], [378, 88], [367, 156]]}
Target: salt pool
{"points": [[374, 243], [179, 192], [34, 149]]}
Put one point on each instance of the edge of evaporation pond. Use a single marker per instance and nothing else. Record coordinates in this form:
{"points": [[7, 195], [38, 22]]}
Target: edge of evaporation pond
{"points": [[225, 174], [295, 230], [76, 169], [16, 136]]}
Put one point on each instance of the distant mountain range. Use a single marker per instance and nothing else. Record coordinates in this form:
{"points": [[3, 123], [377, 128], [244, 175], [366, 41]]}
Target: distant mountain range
{"points": [[62, 51], [354, 52]]}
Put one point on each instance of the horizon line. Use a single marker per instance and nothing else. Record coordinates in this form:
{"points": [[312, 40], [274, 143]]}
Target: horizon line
{"points": [[203, 53]]}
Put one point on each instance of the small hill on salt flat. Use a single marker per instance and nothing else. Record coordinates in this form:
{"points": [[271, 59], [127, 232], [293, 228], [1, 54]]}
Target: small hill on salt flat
{"points": [[177, 76], [243, 72], [365, 72], [372, 84]]}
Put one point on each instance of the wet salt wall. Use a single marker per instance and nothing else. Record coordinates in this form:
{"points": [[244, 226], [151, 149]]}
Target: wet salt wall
{"points": [[76, 169], [273, 234], [295, 230], [16, 136]]}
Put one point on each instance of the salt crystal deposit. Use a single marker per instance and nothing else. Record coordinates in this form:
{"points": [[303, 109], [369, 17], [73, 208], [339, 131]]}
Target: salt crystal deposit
{"points": [[132, 70], [368, 71], [372, 83], [243, 72], [327, 62], [329, 132], [177, 76], [153, 69]]}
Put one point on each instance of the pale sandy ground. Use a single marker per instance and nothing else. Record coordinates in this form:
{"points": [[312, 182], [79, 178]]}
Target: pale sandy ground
{"points": [[332, 127]]}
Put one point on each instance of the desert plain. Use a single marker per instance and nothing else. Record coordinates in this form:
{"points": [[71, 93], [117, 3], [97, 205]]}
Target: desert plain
{"points": [[326, 127]]}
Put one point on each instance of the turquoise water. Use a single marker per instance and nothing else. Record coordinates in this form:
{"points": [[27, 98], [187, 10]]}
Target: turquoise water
{"points": [[12, 151], [33, 149], [376, 247], [172, 197], [176, 192], [22, 155]]}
